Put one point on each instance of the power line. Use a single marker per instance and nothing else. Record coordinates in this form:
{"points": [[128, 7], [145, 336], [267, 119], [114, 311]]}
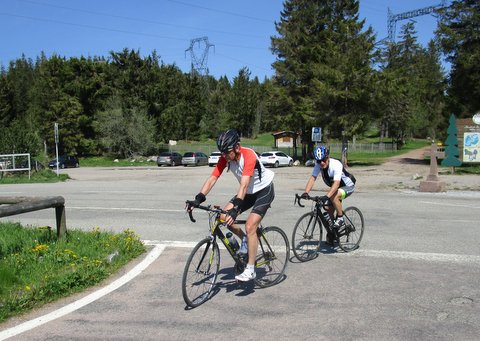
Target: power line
{"points": [[91, 26], [219, 11], [80, 10], [119, 31]]}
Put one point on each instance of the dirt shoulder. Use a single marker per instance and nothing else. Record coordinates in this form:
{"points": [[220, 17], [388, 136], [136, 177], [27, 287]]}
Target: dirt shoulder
{"points": [[406, 171]]}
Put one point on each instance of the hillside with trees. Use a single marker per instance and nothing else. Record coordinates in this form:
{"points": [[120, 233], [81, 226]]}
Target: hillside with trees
{"points": [[329, 72]]}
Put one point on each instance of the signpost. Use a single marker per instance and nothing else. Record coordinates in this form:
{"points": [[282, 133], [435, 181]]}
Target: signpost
{"points": [[316, 134], [55, 131]]}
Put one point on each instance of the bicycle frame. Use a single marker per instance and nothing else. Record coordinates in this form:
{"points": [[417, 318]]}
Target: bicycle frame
{"points": [[318, 213], [216, 231]]}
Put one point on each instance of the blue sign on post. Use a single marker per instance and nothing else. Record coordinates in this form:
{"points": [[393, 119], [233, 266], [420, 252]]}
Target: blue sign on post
{"points": [[316, 134]]}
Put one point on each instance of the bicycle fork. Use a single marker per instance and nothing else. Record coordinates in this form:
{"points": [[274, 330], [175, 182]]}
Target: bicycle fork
{"points": [[267, 252], [211, 244]]}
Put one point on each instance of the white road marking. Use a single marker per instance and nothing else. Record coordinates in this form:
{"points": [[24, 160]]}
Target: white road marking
{"points": [[159, 247], [429, 257], [150, 258], [122, 209], [448, 204]]}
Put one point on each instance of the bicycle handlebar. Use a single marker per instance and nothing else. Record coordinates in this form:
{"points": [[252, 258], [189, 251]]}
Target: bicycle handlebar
{"points": [[208, 208], [317, 199]]}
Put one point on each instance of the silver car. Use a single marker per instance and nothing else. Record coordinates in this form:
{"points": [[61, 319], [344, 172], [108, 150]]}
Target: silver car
{"points": [[169, 159], [194, 159]]}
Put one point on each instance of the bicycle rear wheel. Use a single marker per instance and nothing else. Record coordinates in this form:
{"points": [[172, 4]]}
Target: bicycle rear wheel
{"points": [[349, 239], [200, 273], [306, 237], [272, 256]]}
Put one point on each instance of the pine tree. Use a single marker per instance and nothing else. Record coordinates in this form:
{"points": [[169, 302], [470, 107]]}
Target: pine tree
{"points": [[324, 66], [451, 151], [459, 36]]}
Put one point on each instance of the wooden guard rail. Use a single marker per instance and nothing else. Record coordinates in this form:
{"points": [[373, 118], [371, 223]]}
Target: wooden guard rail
{"points": [[16, 205]]}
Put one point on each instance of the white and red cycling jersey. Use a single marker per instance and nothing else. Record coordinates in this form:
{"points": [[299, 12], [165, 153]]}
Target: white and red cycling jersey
{"points": [[248, 165]]}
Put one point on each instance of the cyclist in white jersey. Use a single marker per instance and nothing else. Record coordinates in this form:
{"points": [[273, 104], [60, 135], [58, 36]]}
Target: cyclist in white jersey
{"points": [[255, 191], [335, 176]]}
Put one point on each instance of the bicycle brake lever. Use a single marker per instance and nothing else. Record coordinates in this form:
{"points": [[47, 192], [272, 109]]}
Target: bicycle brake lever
{"points": [[190, 214], [297, 200]]}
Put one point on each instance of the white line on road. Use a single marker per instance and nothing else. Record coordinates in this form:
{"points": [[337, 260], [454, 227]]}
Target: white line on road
{"points": [[448, 204], [430, 257], [426, 256], [150, 258], [123, 209]]}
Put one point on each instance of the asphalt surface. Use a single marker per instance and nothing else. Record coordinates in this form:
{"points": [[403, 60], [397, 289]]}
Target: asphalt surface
{"points": [[415, 276]]}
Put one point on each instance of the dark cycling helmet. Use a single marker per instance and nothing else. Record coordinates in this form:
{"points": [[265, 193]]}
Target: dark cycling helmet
{"points": [[228, 140], [320, 153]]}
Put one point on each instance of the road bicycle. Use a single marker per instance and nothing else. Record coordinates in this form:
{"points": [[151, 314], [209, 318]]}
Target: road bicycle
{"points": [[308, 231], [203, 264]]}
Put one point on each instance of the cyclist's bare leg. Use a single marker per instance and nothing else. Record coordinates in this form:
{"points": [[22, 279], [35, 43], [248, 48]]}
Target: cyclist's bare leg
{"points": [[251, 226], [234, 228], [337, 202]]}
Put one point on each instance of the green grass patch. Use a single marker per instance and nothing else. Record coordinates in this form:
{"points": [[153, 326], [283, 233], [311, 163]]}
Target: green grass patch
{"points": [[356, 158], [101, 161], [36, 267], [43, 176], [465, 169]]}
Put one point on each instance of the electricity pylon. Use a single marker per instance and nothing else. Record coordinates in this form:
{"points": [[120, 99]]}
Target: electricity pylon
{"points": [[199, 54], [393, 18]]}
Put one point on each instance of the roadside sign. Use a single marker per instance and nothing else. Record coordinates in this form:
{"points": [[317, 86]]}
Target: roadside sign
{"points": [[316, 134], [55, 130]]}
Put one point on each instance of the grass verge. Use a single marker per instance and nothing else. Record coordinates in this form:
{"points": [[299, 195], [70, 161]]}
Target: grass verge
{"points": [[37, 268], [43, 176]]}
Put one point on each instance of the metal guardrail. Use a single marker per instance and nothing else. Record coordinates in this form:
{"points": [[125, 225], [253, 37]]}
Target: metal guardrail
{"points": [[16, 205], [15, 163]]}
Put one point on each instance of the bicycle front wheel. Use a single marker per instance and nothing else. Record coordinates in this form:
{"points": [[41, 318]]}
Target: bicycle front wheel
{"points": [[306, 237], [272, 256], [200, 273], [349, 239]]}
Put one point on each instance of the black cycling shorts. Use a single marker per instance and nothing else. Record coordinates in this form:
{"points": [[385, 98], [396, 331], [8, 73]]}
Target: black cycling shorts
{"points": [[260, 201]]}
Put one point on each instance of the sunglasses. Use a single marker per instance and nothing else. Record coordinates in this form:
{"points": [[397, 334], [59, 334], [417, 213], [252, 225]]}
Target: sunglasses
{"points": [[320, 161]]}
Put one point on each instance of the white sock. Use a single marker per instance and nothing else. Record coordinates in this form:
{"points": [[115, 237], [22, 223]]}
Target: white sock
{"points": [[251, 268]]}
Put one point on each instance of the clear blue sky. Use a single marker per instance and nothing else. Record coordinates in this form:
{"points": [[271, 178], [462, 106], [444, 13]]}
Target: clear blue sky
{"points": [[239, 30]]}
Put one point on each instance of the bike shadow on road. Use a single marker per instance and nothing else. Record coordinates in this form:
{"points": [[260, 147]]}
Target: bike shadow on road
{"points": [[229, 283], [324, 249]]}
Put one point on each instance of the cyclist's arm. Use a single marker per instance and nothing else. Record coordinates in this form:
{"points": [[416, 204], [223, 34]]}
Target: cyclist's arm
{"points": [[242, 190], [207, 186], [310, 183]]}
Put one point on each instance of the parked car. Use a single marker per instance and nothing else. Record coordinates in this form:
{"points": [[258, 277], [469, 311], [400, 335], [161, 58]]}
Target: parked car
{"points": [[65, 161], [194, 159], [213, 158], [276, 159], [169, 159]]}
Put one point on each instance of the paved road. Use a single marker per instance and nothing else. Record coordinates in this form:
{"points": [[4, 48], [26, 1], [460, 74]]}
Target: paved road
{"points": [[415, 276]]}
